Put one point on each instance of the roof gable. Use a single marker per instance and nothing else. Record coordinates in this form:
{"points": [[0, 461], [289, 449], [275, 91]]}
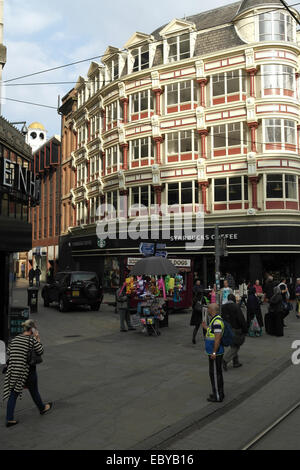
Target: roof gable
{"points": [[175, 26], [137, 39], [80, 83], [93, 68], [110, 51]]}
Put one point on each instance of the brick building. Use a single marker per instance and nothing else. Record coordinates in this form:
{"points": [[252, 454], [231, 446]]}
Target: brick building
{"points": [[204, 111], [45, 217]]}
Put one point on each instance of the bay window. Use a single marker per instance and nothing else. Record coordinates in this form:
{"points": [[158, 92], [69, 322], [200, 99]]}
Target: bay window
{"points": [[276, 26], [280, 134], [179, 47], [142, 197], [184, 193], [229, 139], [228, 87], [278, 80], [141, 152], [114, 114], [141, 105], [231, 193], [281, 191], [114, 159], [182, 145], [181, 96]]}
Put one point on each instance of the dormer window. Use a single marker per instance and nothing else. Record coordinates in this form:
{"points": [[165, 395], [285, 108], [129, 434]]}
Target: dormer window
{"points": [[276, 26], [141, 58], [179, 47], [115, 69]]}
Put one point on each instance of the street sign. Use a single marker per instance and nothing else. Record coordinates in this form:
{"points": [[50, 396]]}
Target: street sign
{"points": [[147, 249], [162, 254]]}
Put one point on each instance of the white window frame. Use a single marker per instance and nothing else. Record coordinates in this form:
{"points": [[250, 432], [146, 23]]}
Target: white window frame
{"points": [[284, 198], [139, 56], [273, 14], [243, 142], [194, 93], [176, 40], [194, 136], [228, 201], [277, 70], [282, 140], [140, 111], [139, 204], [140, 159], [242, 81], [195, 189]]}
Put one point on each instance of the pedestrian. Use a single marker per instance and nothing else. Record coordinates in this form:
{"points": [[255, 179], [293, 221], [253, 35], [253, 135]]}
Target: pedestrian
{"points": [[243, 293], [123, 310], [20, 374], [259, 290], [269, 287], [225, 292], [254, 310], [232, 313], [198, 287], [275, 314], [287, 306], [37, 276], [215, 351], [297, 293], [213, 295], [23, 270], [31, 276], [230, 279], [199, 301]]}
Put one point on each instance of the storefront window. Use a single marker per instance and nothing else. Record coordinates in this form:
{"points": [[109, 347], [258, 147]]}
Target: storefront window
{"points": [[111, 275]]}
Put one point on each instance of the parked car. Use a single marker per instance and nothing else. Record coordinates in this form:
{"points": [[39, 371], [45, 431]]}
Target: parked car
{"points": [[73, 288]]}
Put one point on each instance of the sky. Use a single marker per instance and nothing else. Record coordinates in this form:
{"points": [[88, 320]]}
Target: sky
{"points": [[50, 33]]}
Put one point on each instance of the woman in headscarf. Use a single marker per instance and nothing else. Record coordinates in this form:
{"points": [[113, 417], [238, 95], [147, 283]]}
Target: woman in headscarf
{"points": [[254, 310]]}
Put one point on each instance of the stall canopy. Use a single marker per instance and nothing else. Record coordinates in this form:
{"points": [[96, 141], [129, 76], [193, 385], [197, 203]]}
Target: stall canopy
{"points": [[155, 266]]}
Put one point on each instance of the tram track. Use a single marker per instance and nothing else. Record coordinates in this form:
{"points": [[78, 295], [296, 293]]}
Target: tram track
{"points": [[267, 431]]}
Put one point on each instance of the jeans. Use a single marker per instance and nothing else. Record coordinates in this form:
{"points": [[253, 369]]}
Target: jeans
{"points": [[32, 385], [125, 318]]}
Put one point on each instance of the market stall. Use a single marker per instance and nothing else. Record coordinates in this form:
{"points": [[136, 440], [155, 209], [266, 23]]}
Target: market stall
{"points": [[151, 284]]}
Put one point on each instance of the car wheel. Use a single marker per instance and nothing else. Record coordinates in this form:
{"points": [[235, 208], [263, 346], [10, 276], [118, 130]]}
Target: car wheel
{"points": [[63, 305], [96, 307]]}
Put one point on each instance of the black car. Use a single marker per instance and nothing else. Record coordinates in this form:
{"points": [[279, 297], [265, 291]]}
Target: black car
{"points": [[73, 288]]}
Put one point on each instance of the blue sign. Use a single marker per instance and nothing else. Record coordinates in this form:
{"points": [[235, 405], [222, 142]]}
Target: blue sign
{"points": [[162, 254], [147, 249]]}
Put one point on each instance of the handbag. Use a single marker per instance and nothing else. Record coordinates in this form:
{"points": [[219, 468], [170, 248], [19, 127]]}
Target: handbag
{"points": [[32, 357]]}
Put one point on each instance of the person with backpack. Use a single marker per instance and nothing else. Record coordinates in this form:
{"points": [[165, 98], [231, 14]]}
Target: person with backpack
{"points": [[199, 301], [232, 313], [123, 310], [215, 350]]}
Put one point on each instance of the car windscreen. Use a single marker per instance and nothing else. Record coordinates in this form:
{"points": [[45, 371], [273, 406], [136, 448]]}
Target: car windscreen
{"points": [[76, 277]]}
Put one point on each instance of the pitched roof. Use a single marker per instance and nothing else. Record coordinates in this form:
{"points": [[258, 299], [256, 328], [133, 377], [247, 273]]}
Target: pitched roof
{"points": [[209, 19]]}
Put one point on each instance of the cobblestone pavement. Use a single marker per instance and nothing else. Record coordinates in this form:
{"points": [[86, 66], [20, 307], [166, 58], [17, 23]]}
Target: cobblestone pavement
{"points": [[117, 390]]}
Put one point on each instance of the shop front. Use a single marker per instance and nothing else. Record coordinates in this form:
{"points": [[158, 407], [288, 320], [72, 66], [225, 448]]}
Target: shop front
{"points": [[18, 189], [253, 250]]}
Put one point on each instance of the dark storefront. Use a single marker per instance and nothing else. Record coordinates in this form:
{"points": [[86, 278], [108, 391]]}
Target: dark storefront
{"points": [[18, 189], [253, 250]]}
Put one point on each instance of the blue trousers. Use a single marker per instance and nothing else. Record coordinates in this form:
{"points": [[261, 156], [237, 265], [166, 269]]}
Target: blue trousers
{"points": [[32, 385]]}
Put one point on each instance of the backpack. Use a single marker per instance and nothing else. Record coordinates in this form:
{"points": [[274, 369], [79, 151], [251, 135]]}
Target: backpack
{"points": [[227, 338]]}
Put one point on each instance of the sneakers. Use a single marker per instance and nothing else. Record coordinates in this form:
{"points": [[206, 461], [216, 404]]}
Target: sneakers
{"points": [[238, 364]]}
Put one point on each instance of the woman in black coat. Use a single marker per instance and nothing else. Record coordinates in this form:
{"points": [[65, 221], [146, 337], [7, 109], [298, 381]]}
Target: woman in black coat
{"points": [[196, 319], [276, 313], [253, 308]]}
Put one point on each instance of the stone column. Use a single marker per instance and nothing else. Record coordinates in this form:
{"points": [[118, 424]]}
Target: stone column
{"points": [[203, 134], [204, 185], [158, 94], [158, 141], [202, 82], [252, 72], [253, 126], [124, 148], [254, 182], [124, 207]]}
